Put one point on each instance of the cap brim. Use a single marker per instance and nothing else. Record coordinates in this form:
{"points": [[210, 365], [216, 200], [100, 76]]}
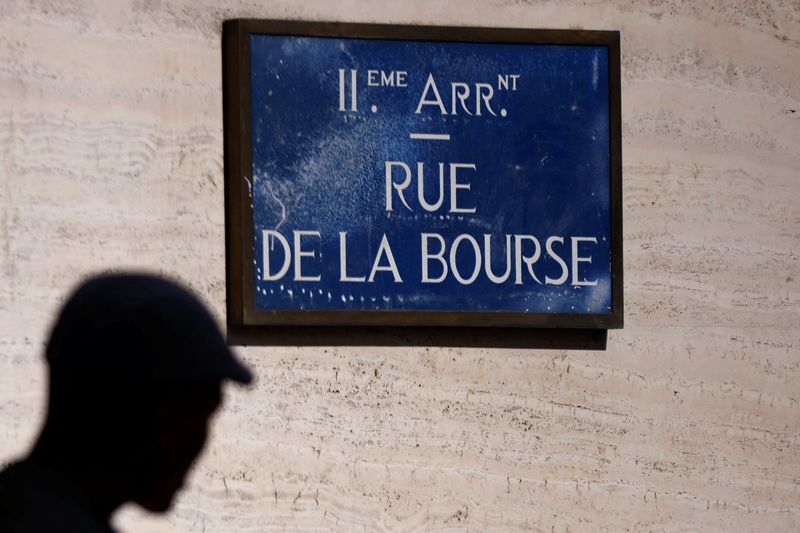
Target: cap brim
{"points": [[236, 371]]}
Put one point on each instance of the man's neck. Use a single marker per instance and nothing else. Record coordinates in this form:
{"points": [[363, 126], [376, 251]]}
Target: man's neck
{"points": [[90, 479]]}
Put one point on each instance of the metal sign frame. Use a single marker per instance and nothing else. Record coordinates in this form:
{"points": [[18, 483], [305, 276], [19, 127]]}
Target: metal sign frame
{"points": [[241, 308]]}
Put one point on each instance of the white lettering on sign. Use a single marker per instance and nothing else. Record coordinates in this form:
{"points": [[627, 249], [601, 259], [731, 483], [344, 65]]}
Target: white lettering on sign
{"points": [[466, 258], [464, 98], [394, 186], [433, 190]]}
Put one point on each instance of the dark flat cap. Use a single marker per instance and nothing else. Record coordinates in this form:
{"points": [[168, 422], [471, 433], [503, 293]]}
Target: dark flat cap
{"points": [[140, 328]]}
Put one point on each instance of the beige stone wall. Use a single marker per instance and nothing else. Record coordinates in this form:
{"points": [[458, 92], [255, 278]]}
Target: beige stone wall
{"points": [[111, 143]]}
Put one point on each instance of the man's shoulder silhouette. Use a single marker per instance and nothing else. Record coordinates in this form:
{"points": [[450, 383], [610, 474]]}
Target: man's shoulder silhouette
{"points": [[35, 499]]}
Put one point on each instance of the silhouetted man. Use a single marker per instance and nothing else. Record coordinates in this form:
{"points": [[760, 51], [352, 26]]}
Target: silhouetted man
{"points": [[136, 365]]}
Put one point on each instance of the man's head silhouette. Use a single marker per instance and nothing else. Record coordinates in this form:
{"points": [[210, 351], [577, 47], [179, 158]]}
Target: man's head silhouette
{"points": [[136, 365]]}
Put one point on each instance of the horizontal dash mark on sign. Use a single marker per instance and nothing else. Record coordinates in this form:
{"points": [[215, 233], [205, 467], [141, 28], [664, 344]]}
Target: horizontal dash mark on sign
{"points": [[431, 136]]}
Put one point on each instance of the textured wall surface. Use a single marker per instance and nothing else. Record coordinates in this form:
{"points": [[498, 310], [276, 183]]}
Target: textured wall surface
{"points": [[111, 143]]}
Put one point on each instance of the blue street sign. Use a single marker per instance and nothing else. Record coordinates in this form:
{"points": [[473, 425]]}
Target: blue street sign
{"points": [[430, 176]]}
